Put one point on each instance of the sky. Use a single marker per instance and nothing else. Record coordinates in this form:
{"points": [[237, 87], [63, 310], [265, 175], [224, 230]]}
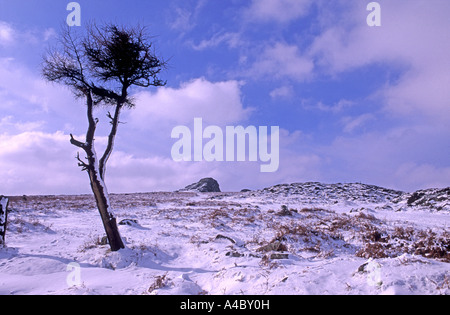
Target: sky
{"points": [[353, 103]]}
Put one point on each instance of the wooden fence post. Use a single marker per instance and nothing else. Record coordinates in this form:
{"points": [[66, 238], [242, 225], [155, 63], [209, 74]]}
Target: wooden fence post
{"points": [[3, 218]]}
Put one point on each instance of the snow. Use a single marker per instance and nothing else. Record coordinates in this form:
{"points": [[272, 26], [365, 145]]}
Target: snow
{"points": [[220, 244]]}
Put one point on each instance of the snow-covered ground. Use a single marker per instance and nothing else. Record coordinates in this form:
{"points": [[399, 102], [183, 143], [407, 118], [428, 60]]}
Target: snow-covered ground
{"points": [[288, 239]]}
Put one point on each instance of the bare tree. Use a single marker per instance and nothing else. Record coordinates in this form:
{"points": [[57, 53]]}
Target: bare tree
{"points": [[101, 67]]}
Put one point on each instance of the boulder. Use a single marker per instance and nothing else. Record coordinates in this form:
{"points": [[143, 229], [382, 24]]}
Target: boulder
{"points": [[204, 185]]}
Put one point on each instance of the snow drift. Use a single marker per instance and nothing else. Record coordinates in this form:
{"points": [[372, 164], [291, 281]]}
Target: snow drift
{"points": [[308, 238]]}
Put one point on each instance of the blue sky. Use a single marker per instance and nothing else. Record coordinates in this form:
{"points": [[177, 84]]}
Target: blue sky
{"points": [[354, 103]]}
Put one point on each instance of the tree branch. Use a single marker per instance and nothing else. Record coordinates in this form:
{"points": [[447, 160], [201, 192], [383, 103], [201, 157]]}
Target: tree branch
{"points": [[82, 164], [91, 120], [76, 142], [112, 135]]}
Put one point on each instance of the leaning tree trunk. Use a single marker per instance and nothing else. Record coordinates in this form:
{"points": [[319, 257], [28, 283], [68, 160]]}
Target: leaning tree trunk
{"points": [[3, 218], [96, 179], [104, 207]]}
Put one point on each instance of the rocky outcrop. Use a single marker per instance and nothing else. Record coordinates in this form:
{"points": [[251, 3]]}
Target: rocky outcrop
{"points": [[333, 193], [204, 185], [438, 199], [352, 194]]}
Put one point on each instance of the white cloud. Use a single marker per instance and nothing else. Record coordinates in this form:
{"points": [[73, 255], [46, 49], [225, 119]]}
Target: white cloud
{"points": [[407, 151], [128, 173], [336, 108], [12, 37], [9, 125], [284, 92], [282, 61], [396, 158], [353, 123], [421, 94], [182, 21], [49, 34], [20, 84], [185, 18], [413, 37], [6, 33], [217, 103], [44, 163], [277, 10], [232, 40], [413, 176], [33, 162], [25, 94], [37, 162]]}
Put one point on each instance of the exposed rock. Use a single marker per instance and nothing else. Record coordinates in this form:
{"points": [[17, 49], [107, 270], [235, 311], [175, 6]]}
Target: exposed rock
{"points": [[275, 256], [332, 193], [416, 196], [274, 246], [129, 222], [104, 240], [373, 269], [234, 254], [438, 199], [220, 236], [286, 212], [204, 185]]}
